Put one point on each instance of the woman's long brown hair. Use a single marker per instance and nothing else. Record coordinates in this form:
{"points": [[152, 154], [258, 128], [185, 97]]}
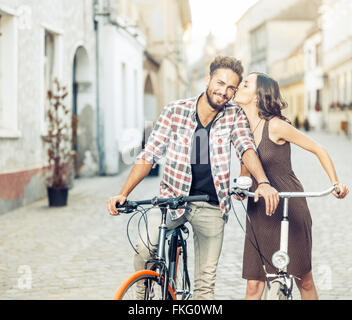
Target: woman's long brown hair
{"points": [[270, 101]]}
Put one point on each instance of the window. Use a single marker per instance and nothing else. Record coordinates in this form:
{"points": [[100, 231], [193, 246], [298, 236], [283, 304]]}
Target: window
{"points": [[136, 95], [8, 77], [341, 88], [258, 40], [350, 87], [49, 56], [345, 89], [51, 67], [318, 55], [318, 100], [124, 96], [332, 90]]}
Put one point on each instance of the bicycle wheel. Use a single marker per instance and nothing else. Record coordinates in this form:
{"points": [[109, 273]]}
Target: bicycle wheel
{"points": [[182, 282], [143, 285], [276, 291]]}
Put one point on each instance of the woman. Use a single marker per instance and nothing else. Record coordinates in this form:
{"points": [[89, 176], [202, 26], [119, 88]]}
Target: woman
{"points": [[260, 98]]}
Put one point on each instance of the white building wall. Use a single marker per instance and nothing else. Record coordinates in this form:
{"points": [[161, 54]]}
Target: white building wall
{"points": [[8, 74], [23, 155], [121, 95], [72, 22]]}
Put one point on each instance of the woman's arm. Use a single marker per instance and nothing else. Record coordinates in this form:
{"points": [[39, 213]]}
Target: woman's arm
{"points": [[282, 130]]}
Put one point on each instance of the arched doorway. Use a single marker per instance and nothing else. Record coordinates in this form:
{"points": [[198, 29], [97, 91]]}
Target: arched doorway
{"points": [[82, 110]]}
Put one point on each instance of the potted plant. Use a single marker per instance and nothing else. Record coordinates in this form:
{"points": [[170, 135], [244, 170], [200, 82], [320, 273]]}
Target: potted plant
{"points": [[59, 150]]}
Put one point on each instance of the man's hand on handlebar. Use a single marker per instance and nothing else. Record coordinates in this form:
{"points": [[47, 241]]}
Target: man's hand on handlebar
{"points": [[270, 195], [111, 204]]}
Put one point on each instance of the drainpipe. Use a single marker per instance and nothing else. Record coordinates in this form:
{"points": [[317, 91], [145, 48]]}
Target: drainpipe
{"points": [[100, 111]]}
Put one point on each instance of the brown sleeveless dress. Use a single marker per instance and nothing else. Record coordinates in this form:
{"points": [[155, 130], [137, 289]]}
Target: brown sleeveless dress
{"points": [[276, 161]]}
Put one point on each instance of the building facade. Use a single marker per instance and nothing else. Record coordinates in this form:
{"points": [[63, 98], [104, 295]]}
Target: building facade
{"points": [[121, 47], [316, 37], [289, 72], [251, 31], [272, 41], [40, 41], [337, 65], [314, 78], [120, 60], [167, 26]]}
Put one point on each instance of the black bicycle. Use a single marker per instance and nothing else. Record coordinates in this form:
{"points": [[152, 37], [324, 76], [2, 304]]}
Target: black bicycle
{"points": [[164, 280]]}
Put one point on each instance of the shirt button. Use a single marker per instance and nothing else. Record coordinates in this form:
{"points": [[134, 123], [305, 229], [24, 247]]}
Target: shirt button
{"points": [[220, 141]]}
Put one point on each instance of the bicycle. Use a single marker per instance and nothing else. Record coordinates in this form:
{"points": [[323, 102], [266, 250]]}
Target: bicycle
{"points": [[161, 281], [278, 286]]}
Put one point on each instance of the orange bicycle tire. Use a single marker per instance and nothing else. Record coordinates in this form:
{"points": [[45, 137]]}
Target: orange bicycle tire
{"points": [[125, 285]]}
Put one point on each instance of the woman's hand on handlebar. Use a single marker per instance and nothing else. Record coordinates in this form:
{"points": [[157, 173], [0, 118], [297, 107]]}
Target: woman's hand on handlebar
{"points": [[112, 202], [340, 191]]}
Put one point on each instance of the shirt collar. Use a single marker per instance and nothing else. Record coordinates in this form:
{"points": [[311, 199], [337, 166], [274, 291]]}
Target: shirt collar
{"points": [[194, 108]]}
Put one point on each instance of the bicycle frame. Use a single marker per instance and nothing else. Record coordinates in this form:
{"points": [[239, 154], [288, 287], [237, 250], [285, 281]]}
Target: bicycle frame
{"points": [[169, 274], [164, 276]]}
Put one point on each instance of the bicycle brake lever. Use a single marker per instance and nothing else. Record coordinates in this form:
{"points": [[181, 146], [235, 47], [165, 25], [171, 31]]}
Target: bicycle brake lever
{"points": [[125, 210]]}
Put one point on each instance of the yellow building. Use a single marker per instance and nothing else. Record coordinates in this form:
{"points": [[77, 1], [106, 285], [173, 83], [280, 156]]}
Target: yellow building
{"points": [[167, 26], [289, 72]]}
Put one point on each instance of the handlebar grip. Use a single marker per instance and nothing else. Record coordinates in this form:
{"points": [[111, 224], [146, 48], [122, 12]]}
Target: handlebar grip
{"points": [[118, 205], [196, 198], [127, 207]]}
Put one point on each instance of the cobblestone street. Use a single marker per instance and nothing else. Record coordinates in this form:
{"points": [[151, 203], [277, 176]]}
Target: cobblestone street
{"points": [[80, 252]]}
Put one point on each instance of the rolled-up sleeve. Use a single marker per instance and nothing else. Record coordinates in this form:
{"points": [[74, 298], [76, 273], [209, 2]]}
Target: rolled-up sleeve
{"points": [[241, 136], [159, 138]]}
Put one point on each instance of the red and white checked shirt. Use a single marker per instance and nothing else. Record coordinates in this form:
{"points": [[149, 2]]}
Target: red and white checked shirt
{"points": [[173, 134]]}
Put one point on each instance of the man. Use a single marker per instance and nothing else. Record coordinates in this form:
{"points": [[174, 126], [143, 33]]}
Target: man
{"points": [[196, 135]]}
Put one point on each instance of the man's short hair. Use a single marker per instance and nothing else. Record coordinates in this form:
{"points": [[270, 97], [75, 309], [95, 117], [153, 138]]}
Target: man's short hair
{"points": [[226, 62]]}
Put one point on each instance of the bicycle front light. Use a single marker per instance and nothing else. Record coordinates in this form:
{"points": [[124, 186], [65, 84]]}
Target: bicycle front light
{"points": [[280, 259]]}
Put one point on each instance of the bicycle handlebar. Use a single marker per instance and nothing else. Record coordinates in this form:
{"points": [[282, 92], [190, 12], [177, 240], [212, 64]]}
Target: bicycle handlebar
{"points": [[244, 192], [172, 203]]}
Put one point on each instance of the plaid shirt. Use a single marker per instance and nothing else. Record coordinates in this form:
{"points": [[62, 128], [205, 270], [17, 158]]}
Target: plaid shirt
{"points": [[173, 134]]}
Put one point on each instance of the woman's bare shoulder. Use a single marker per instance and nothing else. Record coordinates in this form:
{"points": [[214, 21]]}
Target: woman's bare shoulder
{"points": [[277, 124], [277, 129]]}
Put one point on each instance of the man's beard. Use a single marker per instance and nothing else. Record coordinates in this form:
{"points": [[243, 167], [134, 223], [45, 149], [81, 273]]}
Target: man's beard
{"points": [[215, 106]]}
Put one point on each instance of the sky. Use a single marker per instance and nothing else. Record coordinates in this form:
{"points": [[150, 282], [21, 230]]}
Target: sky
{"points": [[218, 17]]}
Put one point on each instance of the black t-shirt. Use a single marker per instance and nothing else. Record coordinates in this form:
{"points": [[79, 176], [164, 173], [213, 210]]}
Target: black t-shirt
{"points": [[202, 179]]}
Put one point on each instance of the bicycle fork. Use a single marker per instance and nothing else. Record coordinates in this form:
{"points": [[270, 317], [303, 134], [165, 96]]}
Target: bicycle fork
{"points": [[284, 230], [160, 256], [280, 258]]}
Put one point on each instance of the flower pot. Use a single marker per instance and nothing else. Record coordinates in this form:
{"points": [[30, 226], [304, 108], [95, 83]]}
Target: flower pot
{"points": [[57, 197]]}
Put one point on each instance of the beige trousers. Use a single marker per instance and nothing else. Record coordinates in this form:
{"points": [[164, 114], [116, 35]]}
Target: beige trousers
{"points": [[208, 233]]}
